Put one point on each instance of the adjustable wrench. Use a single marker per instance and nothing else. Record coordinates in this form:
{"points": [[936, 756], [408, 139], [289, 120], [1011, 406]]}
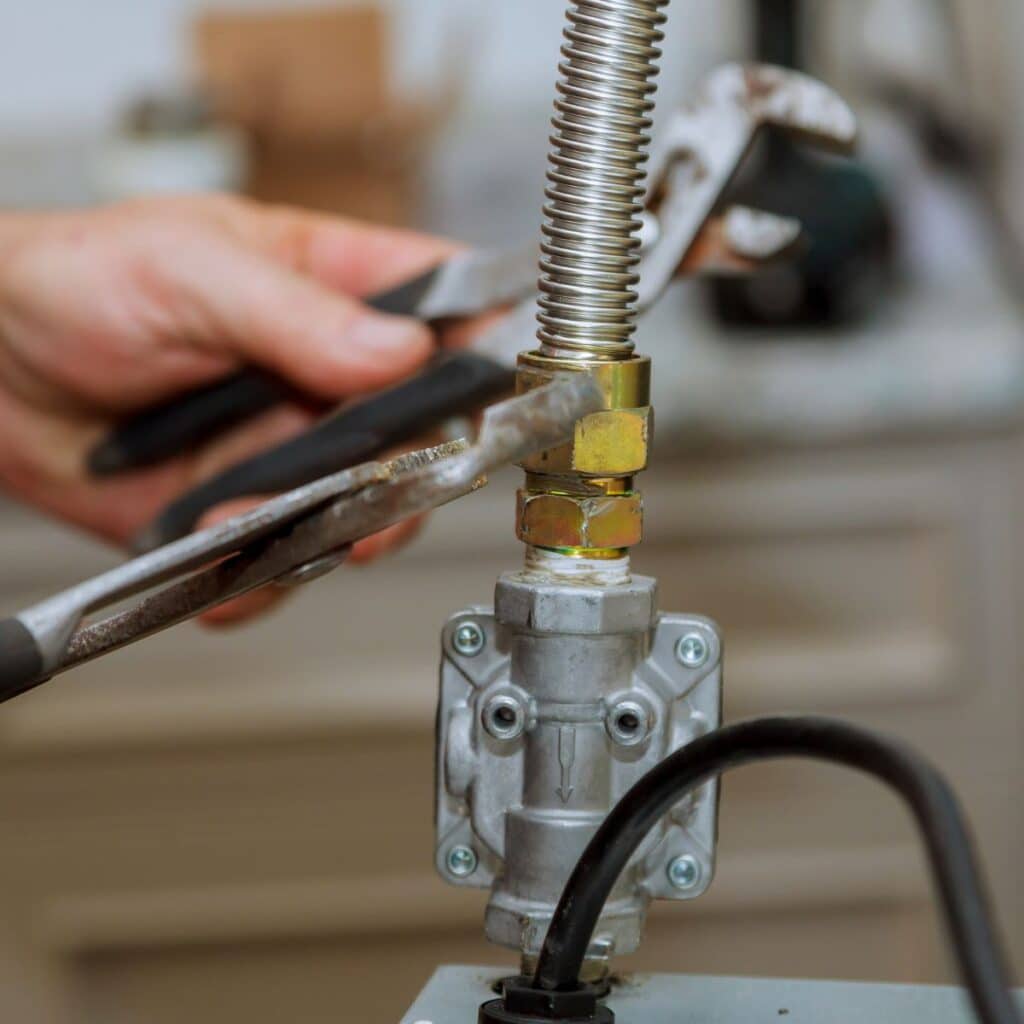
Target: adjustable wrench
{"points": [[702, 146]]}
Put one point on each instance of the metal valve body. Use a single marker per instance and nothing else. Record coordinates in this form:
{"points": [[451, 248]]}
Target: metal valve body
{"points": [[552, 705]]}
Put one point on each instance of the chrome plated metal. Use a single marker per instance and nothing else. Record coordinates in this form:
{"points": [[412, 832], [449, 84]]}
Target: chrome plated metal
{"points": [[691, 650], [477, 281], [684, 873], [591, 244], [461, 861], [469, 640]]}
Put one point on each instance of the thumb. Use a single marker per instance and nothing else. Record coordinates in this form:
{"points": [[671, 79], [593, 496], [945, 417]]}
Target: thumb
{"points": [[325, 343]]}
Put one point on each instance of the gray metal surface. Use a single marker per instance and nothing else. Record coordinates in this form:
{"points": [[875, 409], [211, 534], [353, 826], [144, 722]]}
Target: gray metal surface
{"points": [[454, 994], [474, 282], [574, 694]]}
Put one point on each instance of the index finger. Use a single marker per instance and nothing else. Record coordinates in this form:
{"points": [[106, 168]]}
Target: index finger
{"points": [[350, 256]]}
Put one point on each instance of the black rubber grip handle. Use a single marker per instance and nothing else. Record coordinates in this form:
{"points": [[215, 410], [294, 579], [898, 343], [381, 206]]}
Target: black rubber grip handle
{"points": [[454, 385], [21, 661], [188, 420]]}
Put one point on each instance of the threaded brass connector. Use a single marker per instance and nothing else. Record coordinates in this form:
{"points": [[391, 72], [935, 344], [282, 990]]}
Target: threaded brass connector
{"points": [[580, 497]]}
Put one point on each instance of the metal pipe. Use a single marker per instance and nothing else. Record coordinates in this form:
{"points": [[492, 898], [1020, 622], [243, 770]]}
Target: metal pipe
{"points": [[595, 192]]}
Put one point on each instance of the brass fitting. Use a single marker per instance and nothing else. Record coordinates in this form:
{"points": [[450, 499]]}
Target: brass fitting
{"points": [[576, 522], [579, 496]]}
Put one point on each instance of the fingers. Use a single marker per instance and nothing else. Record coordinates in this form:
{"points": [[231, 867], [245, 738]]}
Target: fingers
{"points": [[387, 541], [264, 312], [244, 609], [359, 259], [248, 606], [462, 333], [268, 431], [261, 602], [42, 459]]}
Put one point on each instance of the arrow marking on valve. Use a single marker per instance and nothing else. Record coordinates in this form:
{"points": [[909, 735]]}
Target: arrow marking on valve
{"points": [[566, 758]]}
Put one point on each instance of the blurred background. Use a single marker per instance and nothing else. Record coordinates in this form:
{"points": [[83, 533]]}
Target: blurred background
{"points": [[238, 827]]}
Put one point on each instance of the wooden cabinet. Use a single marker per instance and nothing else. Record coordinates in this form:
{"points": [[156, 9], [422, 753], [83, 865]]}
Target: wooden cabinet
{"points": [[220, 828]]}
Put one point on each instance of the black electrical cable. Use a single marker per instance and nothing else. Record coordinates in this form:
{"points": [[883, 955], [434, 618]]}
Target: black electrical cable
{"points": [[926, 793]]}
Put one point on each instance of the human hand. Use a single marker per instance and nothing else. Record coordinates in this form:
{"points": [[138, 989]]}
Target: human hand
{"points": [[104, 312]]}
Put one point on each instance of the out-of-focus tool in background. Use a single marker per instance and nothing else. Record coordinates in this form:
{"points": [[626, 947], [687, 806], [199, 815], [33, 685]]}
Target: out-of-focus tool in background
{"points": [[847, 271], [184, 838]]}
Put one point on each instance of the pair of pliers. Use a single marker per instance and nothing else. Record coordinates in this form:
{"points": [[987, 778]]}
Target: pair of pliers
{"points": [[290, 539], [705, 143]]}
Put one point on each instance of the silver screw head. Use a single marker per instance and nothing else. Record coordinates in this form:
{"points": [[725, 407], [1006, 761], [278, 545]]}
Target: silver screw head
{"points": [[462, 861], [469, 639], [692, 651], [684, 873]]}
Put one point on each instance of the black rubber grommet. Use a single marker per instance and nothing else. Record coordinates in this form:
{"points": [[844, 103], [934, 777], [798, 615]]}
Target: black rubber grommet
{"points": [[495, 1012], [524, 1004]]}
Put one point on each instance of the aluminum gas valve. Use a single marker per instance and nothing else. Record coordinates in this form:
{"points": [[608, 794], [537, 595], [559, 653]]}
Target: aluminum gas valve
{"points": [[552, 705]]}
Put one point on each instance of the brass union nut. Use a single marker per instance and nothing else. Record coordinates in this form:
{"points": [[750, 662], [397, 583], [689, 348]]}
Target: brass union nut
{"points": [[598, 522], [612, 443]]}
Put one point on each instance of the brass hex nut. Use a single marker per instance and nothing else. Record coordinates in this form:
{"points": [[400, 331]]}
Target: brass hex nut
{"points": [[612, 443], [594, 522]]}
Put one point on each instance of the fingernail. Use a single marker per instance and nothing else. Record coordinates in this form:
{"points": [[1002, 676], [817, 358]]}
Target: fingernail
{"points": [[387, 333]]}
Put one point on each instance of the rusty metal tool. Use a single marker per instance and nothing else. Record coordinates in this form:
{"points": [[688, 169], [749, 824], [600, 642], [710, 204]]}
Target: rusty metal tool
{"points": [[702, 146], [292, 538]]}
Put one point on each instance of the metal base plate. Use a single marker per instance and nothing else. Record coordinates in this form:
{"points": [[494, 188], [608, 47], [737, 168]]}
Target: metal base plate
{"points": [[454, 995]]}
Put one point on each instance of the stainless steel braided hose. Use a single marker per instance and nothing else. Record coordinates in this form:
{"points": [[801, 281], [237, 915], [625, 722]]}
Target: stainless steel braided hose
{"points": [[595, 180]]}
